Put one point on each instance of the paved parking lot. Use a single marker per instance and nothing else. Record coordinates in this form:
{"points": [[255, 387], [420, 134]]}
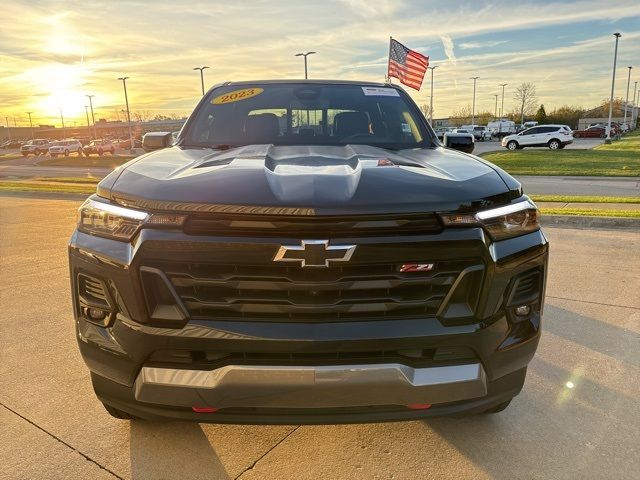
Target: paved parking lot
{"points": [[576, 418], [578, 143]]}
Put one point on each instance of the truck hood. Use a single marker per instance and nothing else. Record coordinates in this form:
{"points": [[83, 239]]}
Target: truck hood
{"points": [[351, 179]]}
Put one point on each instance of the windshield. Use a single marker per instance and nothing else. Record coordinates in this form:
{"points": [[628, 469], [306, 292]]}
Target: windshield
{"points": [[307, 114]]}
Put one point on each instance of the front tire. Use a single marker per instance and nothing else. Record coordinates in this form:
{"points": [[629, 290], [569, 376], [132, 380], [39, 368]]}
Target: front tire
{"points": [[119, 414], [512, 145], [554, 144]]}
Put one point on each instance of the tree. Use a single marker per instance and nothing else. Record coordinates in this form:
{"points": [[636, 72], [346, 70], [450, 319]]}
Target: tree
{"points": [[526, 97], [425, 109], [541, 115], [566, 115]]}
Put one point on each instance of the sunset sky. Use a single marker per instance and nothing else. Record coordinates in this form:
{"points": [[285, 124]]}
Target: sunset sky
{"points": [[52, 53]]}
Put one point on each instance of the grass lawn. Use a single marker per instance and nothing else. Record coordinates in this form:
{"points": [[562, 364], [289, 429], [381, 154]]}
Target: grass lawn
{"points": [[628, 143], [34, 186], [106, 161], [583, 199], [591, 212], [613, 163]]}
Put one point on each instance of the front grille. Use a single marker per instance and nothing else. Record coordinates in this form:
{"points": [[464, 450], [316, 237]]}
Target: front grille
{"points": [[310, 226], [290, 293], [209, 360]]}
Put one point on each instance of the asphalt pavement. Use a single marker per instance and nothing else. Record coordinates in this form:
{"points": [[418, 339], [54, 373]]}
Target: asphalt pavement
{"points": [[577, 416]]}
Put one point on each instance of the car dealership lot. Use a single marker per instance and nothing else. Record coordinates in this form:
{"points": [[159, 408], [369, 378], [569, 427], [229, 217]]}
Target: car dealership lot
{"points": [[576, 417]]}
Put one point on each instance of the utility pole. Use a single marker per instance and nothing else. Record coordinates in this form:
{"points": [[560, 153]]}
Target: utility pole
{"points": [[126, 100], [305, 55], [93, 119], [30, 124], [502, 107], [431, 101], [473, 107], [64, 135], [495, 114], [86, 112], [613, 85], [201, 76], [626, 102], [6, 119]]}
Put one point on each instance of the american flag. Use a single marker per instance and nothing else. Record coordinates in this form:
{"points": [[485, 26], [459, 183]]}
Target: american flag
{"points": [[406, 65]]}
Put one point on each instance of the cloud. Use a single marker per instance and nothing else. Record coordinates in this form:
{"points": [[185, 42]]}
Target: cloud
{"points": [[367, 8], [447, 43], [485, 44]]}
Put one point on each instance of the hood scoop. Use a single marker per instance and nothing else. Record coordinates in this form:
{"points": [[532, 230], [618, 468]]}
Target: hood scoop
{"points": [[307, 176]]}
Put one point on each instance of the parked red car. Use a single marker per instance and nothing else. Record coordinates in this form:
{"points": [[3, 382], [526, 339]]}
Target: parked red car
{"points": [[591, 132]]}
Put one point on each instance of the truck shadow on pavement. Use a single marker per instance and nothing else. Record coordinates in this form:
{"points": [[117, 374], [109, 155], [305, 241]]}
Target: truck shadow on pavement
{"points": [[172, 450], [576, 416]]}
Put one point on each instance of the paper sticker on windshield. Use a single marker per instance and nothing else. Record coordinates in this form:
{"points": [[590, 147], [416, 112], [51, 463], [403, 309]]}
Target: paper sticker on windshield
{"points": [[406, 128], [237, 95], [380, 92]]}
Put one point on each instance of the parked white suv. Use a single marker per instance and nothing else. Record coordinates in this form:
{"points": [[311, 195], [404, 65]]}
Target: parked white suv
{"points": [[65, 147], [37, 146], [553, 136]]}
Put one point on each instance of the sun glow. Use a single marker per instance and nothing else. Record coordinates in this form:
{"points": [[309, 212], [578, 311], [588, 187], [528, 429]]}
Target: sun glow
{"points": [[59, 87]]}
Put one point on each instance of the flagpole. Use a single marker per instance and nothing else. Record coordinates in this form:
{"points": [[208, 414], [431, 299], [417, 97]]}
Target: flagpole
{"points": [[389, 59]]}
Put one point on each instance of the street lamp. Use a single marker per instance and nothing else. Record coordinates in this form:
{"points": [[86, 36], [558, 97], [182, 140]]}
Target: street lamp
{"points": [[431, 101], [634, 105], [495, 113], [6, 119], [30, 124], [502, 106], [201, 76], [93, 119], [305, 55], [613, 84], [624, 122], [126, 100], [473, 107]]}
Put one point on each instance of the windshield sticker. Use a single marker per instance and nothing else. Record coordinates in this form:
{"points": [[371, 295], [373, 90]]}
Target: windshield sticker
{"points": [[237, 95], [406, 128], [380, 92]]}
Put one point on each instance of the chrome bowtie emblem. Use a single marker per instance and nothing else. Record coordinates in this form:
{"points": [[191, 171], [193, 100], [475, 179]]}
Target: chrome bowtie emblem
{"points": [[314, 253]]}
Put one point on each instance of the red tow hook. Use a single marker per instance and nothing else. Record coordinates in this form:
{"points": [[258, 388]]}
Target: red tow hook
{"points": [[204, 409]]}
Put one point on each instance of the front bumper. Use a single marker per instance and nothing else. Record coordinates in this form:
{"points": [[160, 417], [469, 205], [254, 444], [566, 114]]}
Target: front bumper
{"points": [[304, 388]]}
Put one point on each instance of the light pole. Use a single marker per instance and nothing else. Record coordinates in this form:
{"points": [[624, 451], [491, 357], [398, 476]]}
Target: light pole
{"points": [[613, 84], [495, 113], [201, 76], [6, 119], [30, 124], [626, 102], [502, 106], [86, 112], [634, 105], [305, 55], [93, 119], [431, 101], [126, 101], [62, 119], [473, 105]]}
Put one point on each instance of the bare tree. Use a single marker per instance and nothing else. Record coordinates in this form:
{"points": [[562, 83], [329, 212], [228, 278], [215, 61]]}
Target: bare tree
{"points": [[526, 97], [425, 109]]}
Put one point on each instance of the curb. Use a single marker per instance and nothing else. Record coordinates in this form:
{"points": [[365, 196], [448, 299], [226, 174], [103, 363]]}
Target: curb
{"points": [[578, 221]]}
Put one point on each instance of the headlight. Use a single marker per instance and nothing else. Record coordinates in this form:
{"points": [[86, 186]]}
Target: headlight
{"points": [[120, 223], [502, 222]]}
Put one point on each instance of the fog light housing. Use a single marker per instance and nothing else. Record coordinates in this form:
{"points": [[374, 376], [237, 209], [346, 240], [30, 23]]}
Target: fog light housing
{"points": [[523, 310], [96, 314]]}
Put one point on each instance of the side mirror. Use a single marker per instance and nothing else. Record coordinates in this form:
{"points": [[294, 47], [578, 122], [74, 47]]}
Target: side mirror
{"points": [[459, 141], [156, 141]]}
